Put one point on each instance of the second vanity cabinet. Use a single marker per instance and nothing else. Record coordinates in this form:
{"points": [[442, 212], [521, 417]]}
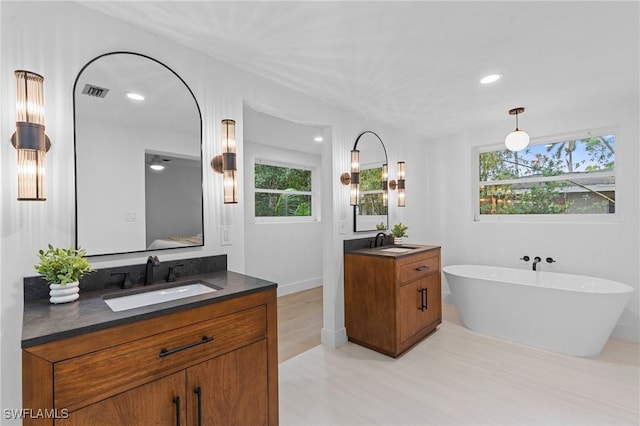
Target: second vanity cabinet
{"points": [[210, 365], [392, 299]]}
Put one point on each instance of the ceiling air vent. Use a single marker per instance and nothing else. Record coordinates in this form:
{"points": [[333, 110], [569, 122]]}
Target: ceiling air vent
{"points": [[95, 91]]}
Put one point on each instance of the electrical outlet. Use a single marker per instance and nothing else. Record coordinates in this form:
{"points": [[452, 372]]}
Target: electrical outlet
{"points": [[225, 235], [130, 216]]}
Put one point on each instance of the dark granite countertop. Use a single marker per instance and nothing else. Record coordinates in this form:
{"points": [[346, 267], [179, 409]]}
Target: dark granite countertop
{"points": [[44, 322], [394, 251]]}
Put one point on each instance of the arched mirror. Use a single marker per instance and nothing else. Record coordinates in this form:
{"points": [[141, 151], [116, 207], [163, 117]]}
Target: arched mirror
{"points": [[138, 157], [370, 214]]}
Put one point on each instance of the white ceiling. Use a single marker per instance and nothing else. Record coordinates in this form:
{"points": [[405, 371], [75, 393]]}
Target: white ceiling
{"points": [[268, 130], [417, 64]]}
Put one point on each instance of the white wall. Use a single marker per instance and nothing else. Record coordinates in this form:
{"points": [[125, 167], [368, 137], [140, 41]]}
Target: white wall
{"points": [[27, 43], [287, 253], [606, 250]]}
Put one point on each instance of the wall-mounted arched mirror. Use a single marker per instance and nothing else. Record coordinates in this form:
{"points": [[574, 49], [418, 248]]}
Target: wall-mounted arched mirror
{"points": [[138, 157], [370, 214]]}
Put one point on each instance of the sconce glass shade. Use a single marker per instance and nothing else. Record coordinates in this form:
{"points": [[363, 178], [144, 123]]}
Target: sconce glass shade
{"points": [[385, 185], [401, 184], [355, 178], [229, 136], [229, 167], [230, 185], [517, 140], [29, 139]]}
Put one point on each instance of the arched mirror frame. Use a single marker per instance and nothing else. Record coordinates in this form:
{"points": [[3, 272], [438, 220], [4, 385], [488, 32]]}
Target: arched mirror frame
{"points": [[75, 152], [386, 161]]}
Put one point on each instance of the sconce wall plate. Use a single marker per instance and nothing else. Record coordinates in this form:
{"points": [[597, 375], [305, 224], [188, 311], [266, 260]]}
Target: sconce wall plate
{"points": [[345, 178]]}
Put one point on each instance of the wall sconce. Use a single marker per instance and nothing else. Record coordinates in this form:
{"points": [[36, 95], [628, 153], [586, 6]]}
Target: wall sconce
{"points": [[401, 181], [518, 139], [225, 163], [399, 184], [385, 185], [29, 138], [353, 179]]}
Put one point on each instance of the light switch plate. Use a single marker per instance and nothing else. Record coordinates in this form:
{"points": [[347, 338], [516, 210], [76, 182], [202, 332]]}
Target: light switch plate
{"points": [[225, 235], [341, 227]]}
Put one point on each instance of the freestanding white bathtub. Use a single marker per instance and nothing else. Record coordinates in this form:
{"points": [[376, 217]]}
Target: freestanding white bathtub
{"points": [[571, 314]]}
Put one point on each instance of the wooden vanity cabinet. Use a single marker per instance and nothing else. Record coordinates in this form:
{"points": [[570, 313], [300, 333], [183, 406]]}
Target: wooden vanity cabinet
{"points": [[210, 365], [391, 303]]}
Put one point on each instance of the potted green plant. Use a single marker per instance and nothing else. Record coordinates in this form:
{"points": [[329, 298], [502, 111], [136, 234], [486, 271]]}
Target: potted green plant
{"points": [[62, 269], [381, 226], [398, 231]]}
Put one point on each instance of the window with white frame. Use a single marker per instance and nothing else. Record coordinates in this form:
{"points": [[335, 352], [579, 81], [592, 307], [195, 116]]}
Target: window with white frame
{"points": [[573, 176], [371, 193], [282, 191]]}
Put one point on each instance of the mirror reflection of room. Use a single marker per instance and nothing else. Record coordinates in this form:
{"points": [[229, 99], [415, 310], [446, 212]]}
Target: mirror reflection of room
{"points": [[132, 111]]}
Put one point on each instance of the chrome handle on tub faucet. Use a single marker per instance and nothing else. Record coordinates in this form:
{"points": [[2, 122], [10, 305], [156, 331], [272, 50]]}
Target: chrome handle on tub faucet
{"points": [[525, 258], [550, 260]]}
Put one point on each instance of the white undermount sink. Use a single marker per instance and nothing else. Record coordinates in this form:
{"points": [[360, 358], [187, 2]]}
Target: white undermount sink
{"points": [[123, 303], [398, 249]]}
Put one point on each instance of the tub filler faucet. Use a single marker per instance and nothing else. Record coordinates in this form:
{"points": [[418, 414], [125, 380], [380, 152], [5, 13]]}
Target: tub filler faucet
{"points": [[536, 260]]}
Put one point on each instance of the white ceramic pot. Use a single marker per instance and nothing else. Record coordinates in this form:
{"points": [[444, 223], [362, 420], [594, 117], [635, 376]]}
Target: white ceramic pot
{"points": [[64, 293], [397, 241]]}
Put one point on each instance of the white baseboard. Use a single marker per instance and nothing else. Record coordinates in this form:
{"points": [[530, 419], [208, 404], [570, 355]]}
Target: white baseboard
{"points": [[333, 338], [447, 298], [291, 288]]}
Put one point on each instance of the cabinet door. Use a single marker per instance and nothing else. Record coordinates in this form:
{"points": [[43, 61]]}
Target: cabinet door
{"points": [[230, 389], [155, 403], [420, 305], [411, 314], [432, 299]]}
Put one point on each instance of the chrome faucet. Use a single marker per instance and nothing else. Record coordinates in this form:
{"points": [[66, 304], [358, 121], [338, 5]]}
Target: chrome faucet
{"points": [[152, 261], [536, 260], [378, 235]]}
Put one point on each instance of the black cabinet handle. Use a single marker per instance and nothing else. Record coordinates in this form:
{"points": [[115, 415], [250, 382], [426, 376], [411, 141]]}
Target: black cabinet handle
{"points": [[422, 268], [426, 300], [423, 299], [165, 352], [176, 401], [198, 392]]}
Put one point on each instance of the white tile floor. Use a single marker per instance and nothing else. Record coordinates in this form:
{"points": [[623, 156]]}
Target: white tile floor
{"points": [[457, 377]]}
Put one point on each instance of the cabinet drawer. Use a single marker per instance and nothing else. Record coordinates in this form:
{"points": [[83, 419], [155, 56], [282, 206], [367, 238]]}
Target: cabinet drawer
{"points": [[89, 378], [418, 266]]}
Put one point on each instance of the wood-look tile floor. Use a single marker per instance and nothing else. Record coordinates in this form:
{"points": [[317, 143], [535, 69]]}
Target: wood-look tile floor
{"points": [[459, 377], [299, 322]]}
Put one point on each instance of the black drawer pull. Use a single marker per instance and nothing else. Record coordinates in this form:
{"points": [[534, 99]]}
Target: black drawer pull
{"points": [[165, 352], [422, 268]]}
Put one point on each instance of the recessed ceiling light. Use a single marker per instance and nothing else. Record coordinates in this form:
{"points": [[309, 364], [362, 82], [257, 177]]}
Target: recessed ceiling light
{"points": [[135, 96], [318, 139], [492, 78]]}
